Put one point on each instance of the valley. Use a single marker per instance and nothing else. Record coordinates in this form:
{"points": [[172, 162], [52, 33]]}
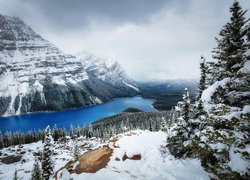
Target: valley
{"points": [[167, 93], [69, 114]]}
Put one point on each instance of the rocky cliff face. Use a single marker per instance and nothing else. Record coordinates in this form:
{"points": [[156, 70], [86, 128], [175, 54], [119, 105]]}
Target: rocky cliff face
{"points": [[36, 76]]}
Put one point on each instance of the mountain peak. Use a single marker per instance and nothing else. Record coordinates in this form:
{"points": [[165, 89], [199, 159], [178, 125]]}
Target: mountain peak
{"points": [[37, 76], [106, 70], [14, 28]]}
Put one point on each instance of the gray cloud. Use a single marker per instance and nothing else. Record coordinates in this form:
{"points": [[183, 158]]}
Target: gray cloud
{"points": [[71, 14], [152, 39]]}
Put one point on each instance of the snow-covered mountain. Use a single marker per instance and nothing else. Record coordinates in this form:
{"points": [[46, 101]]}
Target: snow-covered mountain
{"points": [[36, 76], [108, 71]]}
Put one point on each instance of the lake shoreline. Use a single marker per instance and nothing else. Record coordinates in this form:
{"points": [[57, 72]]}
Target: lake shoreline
{"points": [[73, 108], [77, 116]]}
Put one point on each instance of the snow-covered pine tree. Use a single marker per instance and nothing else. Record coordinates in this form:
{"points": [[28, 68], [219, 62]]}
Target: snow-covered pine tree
{"points": [[163, 126], [72, 131], [179, 132], [1, 140], [224, 97], [186, 105], [76, 152], [201, 86], [121, 128], [36, 173], [90, 131], [56, 133], [64, 133], [232, 46], [47, 164]]}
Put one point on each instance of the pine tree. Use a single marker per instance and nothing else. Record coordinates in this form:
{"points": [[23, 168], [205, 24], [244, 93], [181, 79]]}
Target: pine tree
{"points": [[248, 41], [55, 133], [72, 131], [232, 46], [202, 85], [163, 126], [1, 141], [186, 105], [36, 173], [76, 152], [64, 133], [90, 131], [47, 164]]}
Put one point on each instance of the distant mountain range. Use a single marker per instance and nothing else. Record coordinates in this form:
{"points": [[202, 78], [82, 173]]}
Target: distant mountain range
{"points": [[37, 76], [167, 93]]}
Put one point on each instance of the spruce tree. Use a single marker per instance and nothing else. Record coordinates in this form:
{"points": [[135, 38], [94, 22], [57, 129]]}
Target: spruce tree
{"points": [[72, 131], [186, 105], [248, 41], [1, 141], [55, 133], [202, 85], [64, 133], [90, 131], [163, 126], [47, 164], [76, 152], [36, 173], [232, 46]]}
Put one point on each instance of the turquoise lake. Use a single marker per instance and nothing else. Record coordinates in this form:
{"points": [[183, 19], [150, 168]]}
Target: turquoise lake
{"points": [[81, 116]]}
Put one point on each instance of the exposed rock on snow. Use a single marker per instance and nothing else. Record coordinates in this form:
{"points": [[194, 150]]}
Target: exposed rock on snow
{"points": [[93, 160], [11, 159], [134, 157]]}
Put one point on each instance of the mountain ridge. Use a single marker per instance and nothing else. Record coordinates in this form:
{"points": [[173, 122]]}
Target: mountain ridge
{"points": [[37, 76]]}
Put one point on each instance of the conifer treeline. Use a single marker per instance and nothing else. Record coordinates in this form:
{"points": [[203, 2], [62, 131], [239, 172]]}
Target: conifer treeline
{"points": [[18, 137], [101, 129]]}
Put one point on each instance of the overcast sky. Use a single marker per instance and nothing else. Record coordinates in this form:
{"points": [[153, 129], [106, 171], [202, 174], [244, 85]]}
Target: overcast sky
{"points": [[152, 39]]}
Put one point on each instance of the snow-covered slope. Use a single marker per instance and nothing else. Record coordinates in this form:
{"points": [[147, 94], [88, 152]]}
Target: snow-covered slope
{"points": [[36, 76], [155, 162], [108, 71]]}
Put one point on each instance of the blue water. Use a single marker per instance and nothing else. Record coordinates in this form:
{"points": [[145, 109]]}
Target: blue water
{"points": [[81, 116]]}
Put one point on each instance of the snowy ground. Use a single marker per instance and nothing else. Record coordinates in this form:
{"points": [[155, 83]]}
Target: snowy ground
{"points": [[155, 163], [63, 153]]}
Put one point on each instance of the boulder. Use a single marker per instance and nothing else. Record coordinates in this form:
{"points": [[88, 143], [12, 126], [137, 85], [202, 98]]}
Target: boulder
{"points": [[94, 160], [10, 159]]}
